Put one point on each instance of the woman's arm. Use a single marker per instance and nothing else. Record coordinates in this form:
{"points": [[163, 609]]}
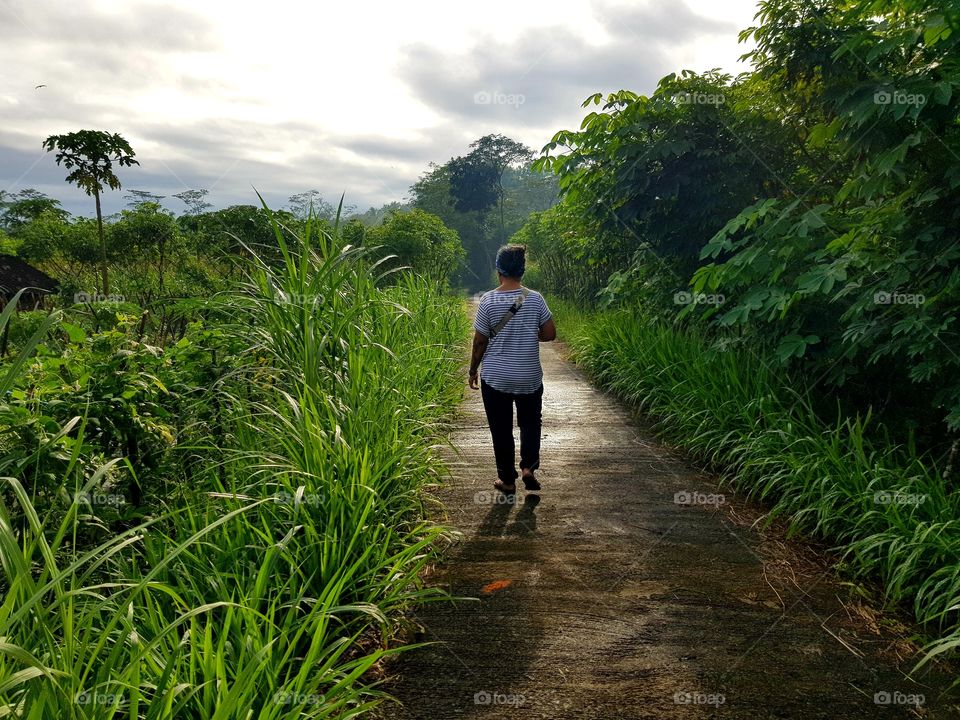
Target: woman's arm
{"points": [[480, 342], [548, 331]]}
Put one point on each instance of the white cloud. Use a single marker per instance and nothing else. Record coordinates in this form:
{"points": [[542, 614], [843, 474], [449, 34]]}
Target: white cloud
{"points": [[354, 97]]}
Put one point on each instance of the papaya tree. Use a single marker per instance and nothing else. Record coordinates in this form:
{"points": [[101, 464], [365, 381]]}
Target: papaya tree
{"points": [[91, 154]]}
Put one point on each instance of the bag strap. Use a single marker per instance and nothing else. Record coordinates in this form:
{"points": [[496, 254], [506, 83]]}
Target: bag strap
{"points": [[508, 315]]}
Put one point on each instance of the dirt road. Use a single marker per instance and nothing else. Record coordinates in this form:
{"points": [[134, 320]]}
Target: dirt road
{"points": [[633, 589]]}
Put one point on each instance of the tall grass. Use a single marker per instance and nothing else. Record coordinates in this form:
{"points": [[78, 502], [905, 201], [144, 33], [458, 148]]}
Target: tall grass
{"points": [[269, 586], [890, 512]]}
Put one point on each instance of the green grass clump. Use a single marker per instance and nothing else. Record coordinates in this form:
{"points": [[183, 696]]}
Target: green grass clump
{"points": [[890, 512]]}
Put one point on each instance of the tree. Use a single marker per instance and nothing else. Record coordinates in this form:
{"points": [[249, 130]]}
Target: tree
{"points": [[432, 193], [473, 184], [233, 228], [195, 200], [139, 197], [476, 180], [8, 246], [145, 235], [524, 192], [66, 250], [302, 203], [354, 232], [20, 208], [419, 240], [91, 155], [859, 277], [374, 216]]}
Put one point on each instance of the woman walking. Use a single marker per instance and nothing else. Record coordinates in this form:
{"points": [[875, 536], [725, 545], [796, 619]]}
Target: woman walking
{"points": [[511, 320]]}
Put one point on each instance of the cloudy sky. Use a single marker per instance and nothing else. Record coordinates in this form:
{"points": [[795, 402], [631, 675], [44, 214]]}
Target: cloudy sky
{"points": [[353, 97]]}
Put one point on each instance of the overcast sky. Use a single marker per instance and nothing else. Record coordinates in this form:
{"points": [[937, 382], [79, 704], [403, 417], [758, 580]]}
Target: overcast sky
{"points": [[353, 97]]}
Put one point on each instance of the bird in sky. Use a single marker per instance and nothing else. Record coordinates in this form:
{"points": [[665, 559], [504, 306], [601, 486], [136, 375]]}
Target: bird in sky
{"points": [[39, 86]]}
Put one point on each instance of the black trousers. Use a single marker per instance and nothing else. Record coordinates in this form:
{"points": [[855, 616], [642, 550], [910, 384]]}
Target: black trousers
{"points": [[499, 408]]}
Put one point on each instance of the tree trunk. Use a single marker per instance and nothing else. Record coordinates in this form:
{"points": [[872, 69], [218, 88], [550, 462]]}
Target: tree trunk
{"points": [[103, 246], [163, 248], [500, 194]]}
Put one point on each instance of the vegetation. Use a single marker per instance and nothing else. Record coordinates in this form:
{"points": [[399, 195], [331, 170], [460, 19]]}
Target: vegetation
{"points": [[418, 239], [485, 195], [793, 227], [227, 525], [211, 476], [213, 443], [90, 154], [805, 207]]}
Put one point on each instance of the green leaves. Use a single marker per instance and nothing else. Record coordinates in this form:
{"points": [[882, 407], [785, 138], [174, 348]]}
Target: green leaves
{"points": [[281, 446], [74, 332], [92, 153], [794, 346], [821, 278]]}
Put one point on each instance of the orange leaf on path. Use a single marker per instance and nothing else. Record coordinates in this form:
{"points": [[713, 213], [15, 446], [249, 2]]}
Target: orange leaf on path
{"points": [[495, 586]]}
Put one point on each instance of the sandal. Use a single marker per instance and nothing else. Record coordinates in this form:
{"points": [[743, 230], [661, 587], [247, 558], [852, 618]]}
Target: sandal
{"points": [[503, 487], [530, 482]]}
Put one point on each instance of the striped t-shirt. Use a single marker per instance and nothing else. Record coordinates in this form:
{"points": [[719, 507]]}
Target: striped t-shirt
{"points": [[511, 362]]}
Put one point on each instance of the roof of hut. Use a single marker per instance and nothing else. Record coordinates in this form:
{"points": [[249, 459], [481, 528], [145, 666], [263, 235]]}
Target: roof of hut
{"points": [[15, 275]]}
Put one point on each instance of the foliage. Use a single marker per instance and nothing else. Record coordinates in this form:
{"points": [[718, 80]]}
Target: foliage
{"points": [[26, 205], [264, 575], [195, 200], [813, 202], [90, 155], [654, 176], [476, 179], [865, 263], [419, 240], [146, 236], [68, 250], [374, 216], [303, 204], [8, 245], [463, 192], [561, 251]]}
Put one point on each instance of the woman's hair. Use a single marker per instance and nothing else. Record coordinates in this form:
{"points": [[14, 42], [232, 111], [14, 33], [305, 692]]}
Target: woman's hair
{"points": [[511, 260]]}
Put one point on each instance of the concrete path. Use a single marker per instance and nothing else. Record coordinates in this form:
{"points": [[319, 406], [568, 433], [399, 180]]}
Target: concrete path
{"points": [[633, 590]]}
